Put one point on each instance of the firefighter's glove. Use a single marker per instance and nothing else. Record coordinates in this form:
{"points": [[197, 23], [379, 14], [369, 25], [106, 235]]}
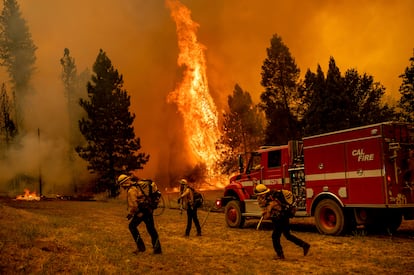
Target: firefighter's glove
{"points": [[129, 216]]}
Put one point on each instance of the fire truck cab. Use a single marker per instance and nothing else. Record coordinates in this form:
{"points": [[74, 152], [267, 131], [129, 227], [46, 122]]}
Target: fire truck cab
{"points": [[356, 177]]}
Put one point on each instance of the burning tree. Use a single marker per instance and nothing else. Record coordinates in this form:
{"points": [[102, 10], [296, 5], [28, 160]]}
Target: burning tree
{"points": [[112, 147], [192, 96], [243, 128]]}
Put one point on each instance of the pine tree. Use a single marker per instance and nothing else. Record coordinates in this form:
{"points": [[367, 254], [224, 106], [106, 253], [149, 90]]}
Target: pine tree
{"points": [[406, 102], [17, 53], [338, 102], [112, 147], [74, 89], [312, 93], [243, 128], [327, 100], [69, 74], [366, 96], [279, 78], [7, 125], [336, 99]]}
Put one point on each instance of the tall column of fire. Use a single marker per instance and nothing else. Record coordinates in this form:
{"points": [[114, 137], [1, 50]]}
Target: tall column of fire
{"points": [[192, 95]]}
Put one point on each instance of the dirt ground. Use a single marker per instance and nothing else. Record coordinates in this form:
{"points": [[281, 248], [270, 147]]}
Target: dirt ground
{"points": [[92, 237]]}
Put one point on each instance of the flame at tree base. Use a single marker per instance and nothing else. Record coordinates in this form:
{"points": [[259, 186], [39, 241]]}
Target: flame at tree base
{"points": [[28, 196]]}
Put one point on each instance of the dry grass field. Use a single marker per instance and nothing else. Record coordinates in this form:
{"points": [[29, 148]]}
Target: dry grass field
{"points": [[92, 237]]}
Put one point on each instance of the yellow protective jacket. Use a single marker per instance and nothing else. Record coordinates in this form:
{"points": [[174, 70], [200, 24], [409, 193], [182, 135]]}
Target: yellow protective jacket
{"points": [[187, 197], [135, 198], [138, 195], [270, 205]]}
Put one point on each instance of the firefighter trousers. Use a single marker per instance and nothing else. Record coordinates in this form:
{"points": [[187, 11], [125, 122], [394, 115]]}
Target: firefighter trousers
{"points": [[282, 226], [147, 217], [192, 217]]}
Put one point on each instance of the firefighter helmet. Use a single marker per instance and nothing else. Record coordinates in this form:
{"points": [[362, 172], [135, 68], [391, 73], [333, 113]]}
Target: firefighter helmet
{"points": [[183, 182], [261, 189], [123, 180]]}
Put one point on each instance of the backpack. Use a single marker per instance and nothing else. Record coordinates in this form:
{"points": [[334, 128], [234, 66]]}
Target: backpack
{"points": [[289, 203], [153, 196], [198, 199]]}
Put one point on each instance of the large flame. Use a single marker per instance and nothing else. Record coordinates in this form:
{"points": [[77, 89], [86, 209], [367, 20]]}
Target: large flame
{"points": [[192, 95]]}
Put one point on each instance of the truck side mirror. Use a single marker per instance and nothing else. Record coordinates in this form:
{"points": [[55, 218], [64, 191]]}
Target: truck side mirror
{"points": [[241, 166]]}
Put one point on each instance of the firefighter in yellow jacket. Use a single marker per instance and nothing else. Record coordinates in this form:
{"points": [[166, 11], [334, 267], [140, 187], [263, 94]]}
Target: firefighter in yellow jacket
{"points": [[272, 204], [186, 198], [140, 211]]}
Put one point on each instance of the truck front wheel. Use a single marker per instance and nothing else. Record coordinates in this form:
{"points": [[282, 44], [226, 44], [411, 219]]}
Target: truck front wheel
{"points": [[233, 214], [329, 218]]}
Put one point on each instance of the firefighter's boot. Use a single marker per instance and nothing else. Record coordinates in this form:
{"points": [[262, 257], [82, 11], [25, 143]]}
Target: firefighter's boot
{"points": [[140, 245], [280, 254], [157, 250], [198, 229], [157, 247], [187, 231]]}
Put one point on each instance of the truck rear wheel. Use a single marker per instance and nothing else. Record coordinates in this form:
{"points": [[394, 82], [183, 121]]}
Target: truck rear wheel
{"points": [[329, 218], [233, 214]]}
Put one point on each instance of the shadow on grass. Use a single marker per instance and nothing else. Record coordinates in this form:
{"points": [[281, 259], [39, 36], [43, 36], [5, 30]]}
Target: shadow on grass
{"points": [[268, 226], [298, 225]]}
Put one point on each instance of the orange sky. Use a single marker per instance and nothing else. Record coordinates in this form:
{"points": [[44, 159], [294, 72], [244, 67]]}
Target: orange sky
{"points": [[376, 37]]}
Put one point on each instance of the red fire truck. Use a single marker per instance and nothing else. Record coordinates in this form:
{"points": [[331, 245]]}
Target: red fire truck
{"points": [[356, 177]]}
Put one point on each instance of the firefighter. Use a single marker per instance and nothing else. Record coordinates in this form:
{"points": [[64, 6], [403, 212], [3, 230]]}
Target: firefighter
{"points": [[271, 203], [139, 211], [186, 199]]}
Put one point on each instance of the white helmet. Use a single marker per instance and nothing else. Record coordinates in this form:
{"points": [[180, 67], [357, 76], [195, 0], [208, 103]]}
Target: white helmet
{"points": [[183, 182]]}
